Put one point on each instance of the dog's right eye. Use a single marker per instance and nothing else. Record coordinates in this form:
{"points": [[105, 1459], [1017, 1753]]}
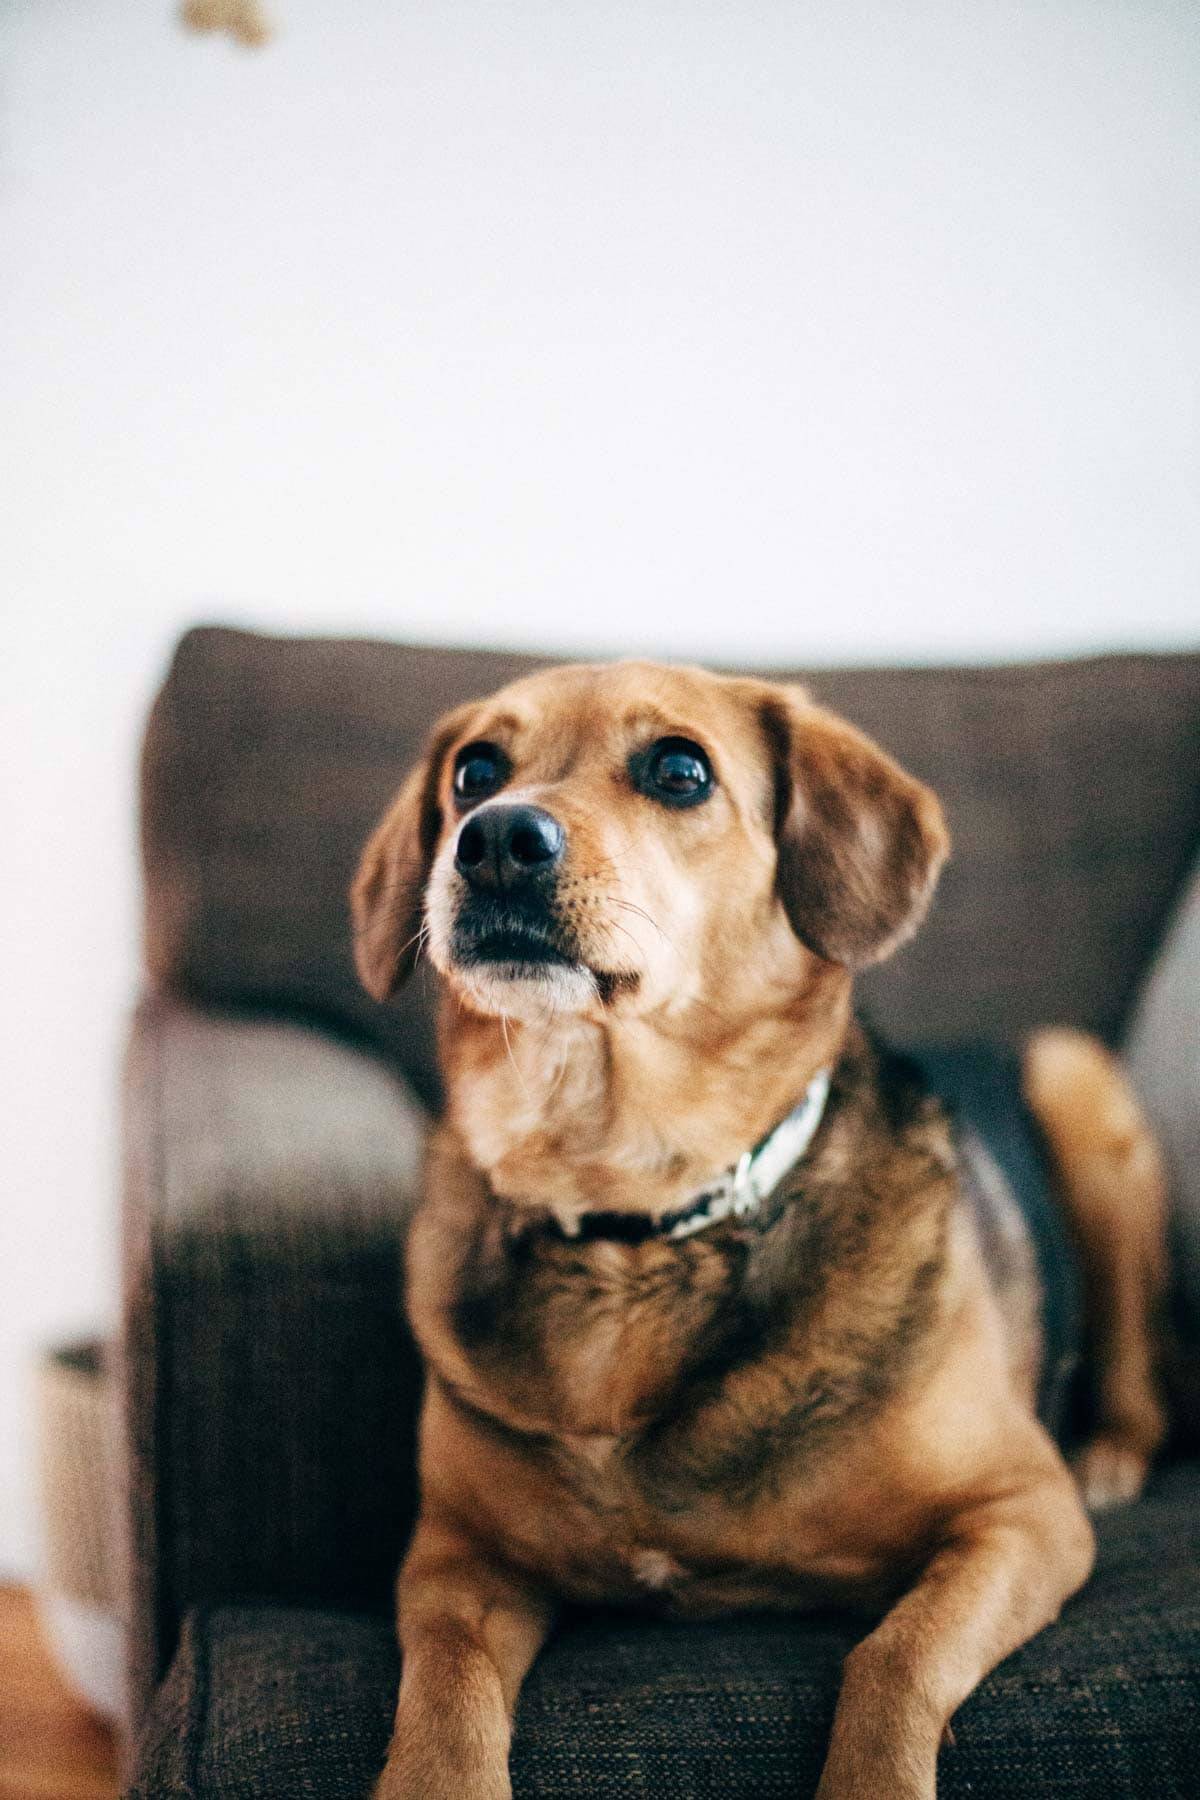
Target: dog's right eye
{"points": [[479, 769]]}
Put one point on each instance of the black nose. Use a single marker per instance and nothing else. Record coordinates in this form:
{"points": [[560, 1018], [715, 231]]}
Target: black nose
{"points": [[503, 847]]}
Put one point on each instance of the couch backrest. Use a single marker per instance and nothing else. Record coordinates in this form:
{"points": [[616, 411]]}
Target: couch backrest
{"points": [[1071, 788]]}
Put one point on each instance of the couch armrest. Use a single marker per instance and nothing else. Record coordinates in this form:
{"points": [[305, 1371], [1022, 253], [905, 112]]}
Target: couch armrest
{"points": [[271, 1386]]}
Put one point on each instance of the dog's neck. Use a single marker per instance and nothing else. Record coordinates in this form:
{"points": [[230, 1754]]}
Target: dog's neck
{"points": [[632, 1113]]}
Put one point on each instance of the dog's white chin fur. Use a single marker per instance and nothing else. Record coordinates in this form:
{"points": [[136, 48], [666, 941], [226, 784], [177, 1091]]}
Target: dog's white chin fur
{"points": [[530, 992]]}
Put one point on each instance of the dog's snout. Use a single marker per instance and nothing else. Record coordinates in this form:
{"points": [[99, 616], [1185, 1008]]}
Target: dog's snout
{"points": [[508, 846]]}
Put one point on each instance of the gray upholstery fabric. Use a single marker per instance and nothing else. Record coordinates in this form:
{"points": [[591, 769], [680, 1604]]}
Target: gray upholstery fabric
{"points": [[1162, 1051], [1104, 1705], [271, 1385], [1066, 786]]}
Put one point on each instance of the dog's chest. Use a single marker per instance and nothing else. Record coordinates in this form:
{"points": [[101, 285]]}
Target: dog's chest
{"points": [[588, 1342], [658, 1376], [620, 1475], [581, 1517], [678, 1422]]}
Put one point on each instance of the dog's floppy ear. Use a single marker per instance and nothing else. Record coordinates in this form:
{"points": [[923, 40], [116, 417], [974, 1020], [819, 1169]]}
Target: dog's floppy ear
{"points": [[387, 895], [861, 843]]}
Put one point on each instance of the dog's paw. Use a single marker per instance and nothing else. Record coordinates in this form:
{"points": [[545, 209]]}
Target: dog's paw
{"points": [[1110, 1472]]}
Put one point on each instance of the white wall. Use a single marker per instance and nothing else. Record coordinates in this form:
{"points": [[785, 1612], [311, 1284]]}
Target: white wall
{"points": [[819, 331]]}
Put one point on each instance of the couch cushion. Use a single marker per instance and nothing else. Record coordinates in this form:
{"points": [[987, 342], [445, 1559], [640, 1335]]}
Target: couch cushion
{"points": [[1066, 785], [1104, 1705]]}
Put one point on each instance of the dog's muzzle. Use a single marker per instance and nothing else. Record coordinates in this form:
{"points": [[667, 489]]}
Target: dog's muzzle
{"points": [[509, 858]]}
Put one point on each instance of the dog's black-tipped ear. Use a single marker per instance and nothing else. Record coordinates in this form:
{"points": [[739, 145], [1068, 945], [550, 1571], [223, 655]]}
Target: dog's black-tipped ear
{"points": [[387, 895], [860, 842]]}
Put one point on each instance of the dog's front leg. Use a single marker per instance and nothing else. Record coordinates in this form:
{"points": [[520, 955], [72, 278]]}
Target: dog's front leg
{"points": [[468, 1632], [1003, 1570]]}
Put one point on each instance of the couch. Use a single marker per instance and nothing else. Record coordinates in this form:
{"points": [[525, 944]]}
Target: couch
{"points": [[272, 1131]]}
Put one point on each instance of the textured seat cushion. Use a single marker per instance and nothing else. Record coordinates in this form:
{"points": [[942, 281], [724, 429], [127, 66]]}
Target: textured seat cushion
{"points": [[1105, 1704]]}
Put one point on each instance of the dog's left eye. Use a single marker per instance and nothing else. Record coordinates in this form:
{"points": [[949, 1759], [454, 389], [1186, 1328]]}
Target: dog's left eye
{"points": [[675, 770], [479, 769]]}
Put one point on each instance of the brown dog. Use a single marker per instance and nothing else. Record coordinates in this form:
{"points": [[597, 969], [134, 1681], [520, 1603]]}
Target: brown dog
{"points": [[663, 1368]]}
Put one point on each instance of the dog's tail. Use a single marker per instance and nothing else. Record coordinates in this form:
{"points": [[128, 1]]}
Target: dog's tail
{"points": [[1112, 1182]]}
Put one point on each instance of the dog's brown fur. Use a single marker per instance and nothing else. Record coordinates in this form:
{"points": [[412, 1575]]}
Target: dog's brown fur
{"points": [[830, 1402]]}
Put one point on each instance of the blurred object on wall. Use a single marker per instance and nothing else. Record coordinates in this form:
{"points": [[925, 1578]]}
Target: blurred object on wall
{"points": [[244, 20], [80, 1594]]}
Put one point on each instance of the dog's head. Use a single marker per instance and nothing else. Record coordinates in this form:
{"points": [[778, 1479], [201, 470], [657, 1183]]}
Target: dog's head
{"points": [[627, 837]]}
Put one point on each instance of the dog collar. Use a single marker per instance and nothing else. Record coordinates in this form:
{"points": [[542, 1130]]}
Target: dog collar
{"points": [[738, 1193]]}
